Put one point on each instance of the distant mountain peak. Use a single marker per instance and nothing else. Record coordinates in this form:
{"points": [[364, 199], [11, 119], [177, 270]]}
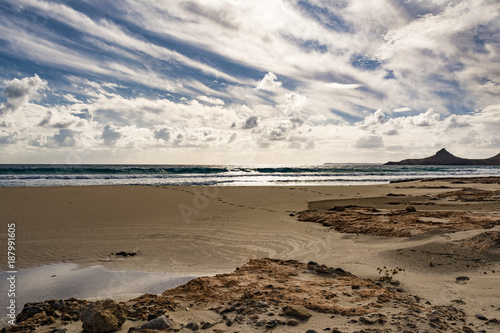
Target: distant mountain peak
{"points": [[443, 152], [443, 157]]}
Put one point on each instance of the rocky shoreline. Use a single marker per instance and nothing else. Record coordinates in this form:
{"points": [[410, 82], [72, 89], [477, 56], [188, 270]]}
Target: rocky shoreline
{"points": [[263, 295]]}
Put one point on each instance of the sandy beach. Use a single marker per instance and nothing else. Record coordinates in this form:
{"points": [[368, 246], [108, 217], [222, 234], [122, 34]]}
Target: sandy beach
{"points": [[204, 231]]}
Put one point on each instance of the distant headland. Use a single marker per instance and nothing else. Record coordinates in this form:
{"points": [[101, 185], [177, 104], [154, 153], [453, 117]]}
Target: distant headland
{"points": [[443, 157]]}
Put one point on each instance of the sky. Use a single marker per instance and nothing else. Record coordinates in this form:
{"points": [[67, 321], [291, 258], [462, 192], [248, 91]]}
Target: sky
{"points": [[247, 82]]}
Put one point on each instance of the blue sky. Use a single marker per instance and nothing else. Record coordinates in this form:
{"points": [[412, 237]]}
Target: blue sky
{"points": [[246, 82]]}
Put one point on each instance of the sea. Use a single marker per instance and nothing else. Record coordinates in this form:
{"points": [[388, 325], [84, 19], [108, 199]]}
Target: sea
{"points": [[26, 175]]}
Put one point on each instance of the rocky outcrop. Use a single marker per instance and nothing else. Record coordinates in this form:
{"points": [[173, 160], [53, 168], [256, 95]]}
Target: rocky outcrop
{"points": [[443, 157], [398, 223], [103, 316]]}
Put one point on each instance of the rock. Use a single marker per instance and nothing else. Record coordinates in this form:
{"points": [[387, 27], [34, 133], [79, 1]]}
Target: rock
{"points": [[58, 330], [50, 320], [261, 304], [458, 301], [66, 317], [58, 305], [366, 321], [292, 322], [261, 323], [481, 317], [28, 312], [411, 209], [193, 326], [272, 324], [160, 323], [462, 279], [125, 254], [467, 329], [311, 331], [296, 311], [103, 316]]}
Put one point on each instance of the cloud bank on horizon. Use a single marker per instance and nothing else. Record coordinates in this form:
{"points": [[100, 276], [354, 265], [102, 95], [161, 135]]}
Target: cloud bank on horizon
{"points": [[235, 82]]}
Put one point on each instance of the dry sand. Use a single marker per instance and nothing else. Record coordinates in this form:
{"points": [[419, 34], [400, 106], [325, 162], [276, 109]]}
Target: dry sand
{"points": [[201, 231]]}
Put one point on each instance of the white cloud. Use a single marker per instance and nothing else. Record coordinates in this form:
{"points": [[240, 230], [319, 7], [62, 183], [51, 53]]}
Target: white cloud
{"points": [[370, 142], [294, 102], [110, 135], [402, 109], [269, 82], [378, 117], [211, 100], [342, 61], [336, 85], [65, 138], [251, 122], [162, 134], [19, 92]]}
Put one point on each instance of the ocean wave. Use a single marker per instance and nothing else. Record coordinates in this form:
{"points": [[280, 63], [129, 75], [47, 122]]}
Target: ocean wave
{"points": [[77, 175]]}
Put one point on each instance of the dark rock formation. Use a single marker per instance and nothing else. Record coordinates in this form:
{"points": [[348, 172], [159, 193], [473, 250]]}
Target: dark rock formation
{"points": [[443, 157]]}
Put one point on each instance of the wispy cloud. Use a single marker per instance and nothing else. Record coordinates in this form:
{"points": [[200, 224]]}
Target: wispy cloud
{"points": [[274, 77]]}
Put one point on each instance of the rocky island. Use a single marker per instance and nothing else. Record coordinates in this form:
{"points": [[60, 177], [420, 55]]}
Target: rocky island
{"points": [[443, 157]]}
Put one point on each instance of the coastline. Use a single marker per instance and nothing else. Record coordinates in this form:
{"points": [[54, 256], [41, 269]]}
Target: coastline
{"points": [[202, 231]]}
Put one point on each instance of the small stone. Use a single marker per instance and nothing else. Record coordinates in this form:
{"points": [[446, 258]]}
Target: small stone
{"points": [[261, 304], [312, 264], [254, 317], [58, 305], [467, 329], [160, 323], [292, 322], [297, 311], [458, 301], [193, 326], [411, 209], [261, 323], [66, 317], [481, 317], [462, 279], [272, 324], [366, 321], [311, 331], [58, 330]]}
